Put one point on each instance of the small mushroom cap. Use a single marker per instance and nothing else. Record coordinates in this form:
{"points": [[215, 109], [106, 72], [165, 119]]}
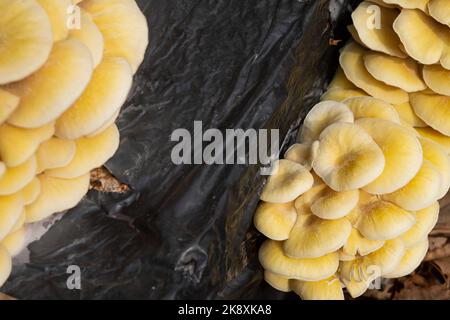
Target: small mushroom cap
{"points": [[26, 39], [20, 222], [345, 257], [347, 158], [17, 145], [303, 153], [90, 153], [382, 39], [313, 237], [55, 153], [304, 202], [402, 153], [16, 178], [57, 13], [106, 125], [407, 115], [5, 265], [426, 219], [436, 136], [57, 195], [437, 78], [321, 116], [340, 81], [70, 67], [420, 192], [103, 97], [8, 103], [89, 34], [410, 4], [434, 110], [273, 259], [355, 36], [338, 94], [124, 28], [357, 244], [352, 62], [31, 191], [276, 281], [420, 35], [335, 205], [275, 220], [287, 181], [11, 208], [356, 288], [440, 11], [368, 107], [15, 241], [437, 155], [410, 261], [327, 289], [397, 72]]}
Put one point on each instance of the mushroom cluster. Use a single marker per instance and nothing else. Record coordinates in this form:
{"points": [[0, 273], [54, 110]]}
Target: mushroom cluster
{"points": [[355, 199], [66, 68]]}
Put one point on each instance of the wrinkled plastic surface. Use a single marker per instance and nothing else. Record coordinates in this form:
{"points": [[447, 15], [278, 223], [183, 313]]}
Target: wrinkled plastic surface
{"points": [[186, 231]]}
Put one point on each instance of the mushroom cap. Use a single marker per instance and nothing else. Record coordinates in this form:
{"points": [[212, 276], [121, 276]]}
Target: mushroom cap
{"points": [[407, 115], [335, 205], [347, 158], [275, 220], [426, 219], [124, 28], [11, 208], [327, 289], [355, 36], [273, 259], [437, 78], [303, 153], [106, 125], [89, 34], [436, 136], [15, 241], [57, 195], [356, 288], [27, 39], [440, 11], [90, 153], [276, 281], [420, 192], [402, 153], [368, 107], [352, 62], [47, 93], [287, 181], [57, 13], [5, 265], [17, 145], [16, 178], [55, 153], [20, 222], [103, 97], [340, 81], [338, 94], [397, 72], [382, 39], [313, 237], [321, 116], [420, 35], [357, 244], [434, 110], [437, 155], [304, 202], [345, 257], [31, 191], [8, 103], [410, 4], [410, 261]]}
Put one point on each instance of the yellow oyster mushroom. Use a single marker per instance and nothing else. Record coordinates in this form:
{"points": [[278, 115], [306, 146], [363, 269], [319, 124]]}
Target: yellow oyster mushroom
{"points": [[8, 103], [303, 153], [420, 192], [410, 4], [277, 282], [397, 72], [16, 178], [20, 222], [57, 13], [106, 125], [56, 195], [275, 220], [352, 62], [90, 153], [440, 11], [31, 191], [368, 107], [103, 97], [26, 39], [437, 78], [355, 35], [426, 219], [347, 158], [327, 289], [11, 207], [345, 257], [17, 145], [287, 181], [434, 110], [321, 116], [357, 244], [5, 265], [334, 205], [273, 259], [340, 81], [312, 237], [410, 261], [304, 202], [356, 288], [55, 153], [436, 136], [402, 153], [407, 115], [47, 93], [338, 94], [15, 241]]}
